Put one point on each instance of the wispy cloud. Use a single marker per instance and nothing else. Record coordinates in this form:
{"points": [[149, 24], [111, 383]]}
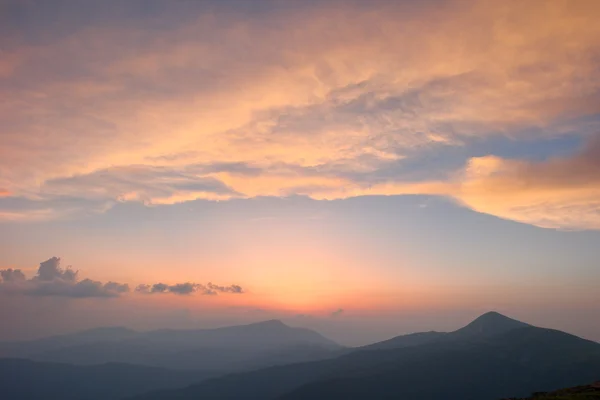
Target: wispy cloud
{"points": [[145, 183]]}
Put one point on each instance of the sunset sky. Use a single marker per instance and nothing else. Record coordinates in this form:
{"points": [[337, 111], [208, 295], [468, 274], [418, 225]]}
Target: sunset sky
{"points": [[364, 168]]}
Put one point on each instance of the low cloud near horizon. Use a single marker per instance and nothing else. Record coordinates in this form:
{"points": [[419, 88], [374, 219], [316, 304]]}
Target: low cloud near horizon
{"points": [[188, 288], [53, 280]]}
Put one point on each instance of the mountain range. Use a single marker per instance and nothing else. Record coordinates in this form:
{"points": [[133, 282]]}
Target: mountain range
{"points": [[491, 358], [218, 350]]}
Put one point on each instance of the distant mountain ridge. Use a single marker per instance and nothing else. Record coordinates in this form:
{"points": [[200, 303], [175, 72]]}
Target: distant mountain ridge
{"points": [[219, 349], [26, 348], [490, 358]]}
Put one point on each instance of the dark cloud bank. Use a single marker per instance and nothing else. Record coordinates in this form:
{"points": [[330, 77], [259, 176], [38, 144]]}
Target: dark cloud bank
{"points": [[188, 288], [53, 280]]}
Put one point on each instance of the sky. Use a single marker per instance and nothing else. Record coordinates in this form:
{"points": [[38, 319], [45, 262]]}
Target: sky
{"points": [[365, 169]]}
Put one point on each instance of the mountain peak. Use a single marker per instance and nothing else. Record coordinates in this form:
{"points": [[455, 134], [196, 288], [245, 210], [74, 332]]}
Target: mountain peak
{"points": [[491, 323], [494, 316]]}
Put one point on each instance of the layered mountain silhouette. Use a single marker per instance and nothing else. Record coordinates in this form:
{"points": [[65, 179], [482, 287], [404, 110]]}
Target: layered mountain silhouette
{"points": [[219, 350], [491, 358], [494, 357]]}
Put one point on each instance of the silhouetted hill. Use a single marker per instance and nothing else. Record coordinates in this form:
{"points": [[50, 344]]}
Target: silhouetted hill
{"points": [[518, 362], [30, 380], [223, 349], [477, 363], [489, 324]]}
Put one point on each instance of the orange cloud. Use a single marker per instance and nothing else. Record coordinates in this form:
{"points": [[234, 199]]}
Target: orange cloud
{"points": [[559, 193], [28, 216], [308, 99]]}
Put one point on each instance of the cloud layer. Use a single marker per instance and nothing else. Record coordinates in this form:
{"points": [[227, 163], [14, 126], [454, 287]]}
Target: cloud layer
{"points": [[324, 99]]}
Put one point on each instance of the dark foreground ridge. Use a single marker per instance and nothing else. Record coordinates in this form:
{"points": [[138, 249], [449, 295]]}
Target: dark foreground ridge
{"points": [[588, 392], [31, 380]]}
